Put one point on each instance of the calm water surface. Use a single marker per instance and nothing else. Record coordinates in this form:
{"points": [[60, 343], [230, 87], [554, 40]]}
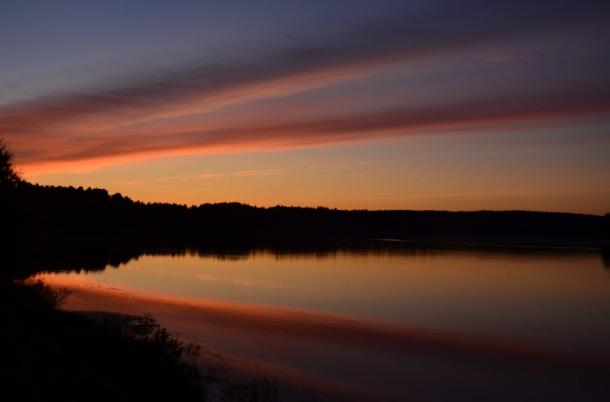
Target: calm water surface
{"points": [[381, 323]]}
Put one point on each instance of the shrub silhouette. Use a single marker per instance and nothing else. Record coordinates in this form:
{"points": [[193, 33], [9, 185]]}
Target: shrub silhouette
{"points": [[53, 298]]}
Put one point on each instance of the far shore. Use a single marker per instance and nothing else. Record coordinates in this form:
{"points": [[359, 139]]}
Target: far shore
{"points": [[50, 241], [561, 242]]}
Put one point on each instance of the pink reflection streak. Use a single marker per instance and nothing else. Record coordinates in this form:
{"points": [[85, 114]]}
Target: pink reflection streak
{"points": [[359, 332], [354, 358]]}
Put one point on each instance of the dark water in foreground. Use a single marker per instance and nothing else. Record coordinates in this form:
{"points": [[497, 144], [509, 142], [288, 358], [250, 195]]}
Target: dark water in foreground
{"points": [[381, 323]]}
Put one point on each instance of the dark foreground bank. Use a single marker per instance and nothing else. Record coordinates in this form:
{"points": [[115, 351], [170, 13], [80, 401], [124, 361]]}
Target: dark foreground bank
{"points": [[54, 355]]}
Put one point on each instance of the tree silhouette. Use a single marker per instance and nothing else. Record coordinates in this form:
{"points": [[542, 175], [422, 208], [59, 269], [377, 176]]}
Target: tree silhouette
{"points": [[14, 213], [9, 175]]}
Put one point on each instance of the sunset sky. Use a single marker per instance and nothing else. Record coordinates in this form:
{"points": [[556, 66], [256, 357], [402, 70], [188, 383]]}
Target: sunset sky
{"points": [[457, 105]]}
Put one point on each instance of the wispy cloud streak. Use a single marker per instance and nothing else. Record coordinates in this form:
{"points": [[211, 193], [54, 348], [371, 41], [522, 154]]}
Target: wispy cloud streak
{"points": [[343, 128], [245, 173], [91, 124]]}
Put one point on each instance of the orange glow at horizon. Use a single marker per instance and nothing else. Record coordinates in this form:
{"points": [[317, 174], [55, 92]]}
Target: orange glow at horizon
{"points": [[368, 175]]}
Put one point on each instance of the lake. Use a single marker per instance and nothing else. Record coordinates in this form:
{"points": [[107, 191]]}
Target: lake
{"points": [[375, 320]]}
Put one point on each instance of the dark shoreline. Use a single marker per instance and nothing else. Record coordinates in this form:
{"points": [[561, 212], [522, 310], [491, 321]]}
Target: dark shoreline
{"points": [[49, 241], [46, 253], [55, 355], [507, 241]]}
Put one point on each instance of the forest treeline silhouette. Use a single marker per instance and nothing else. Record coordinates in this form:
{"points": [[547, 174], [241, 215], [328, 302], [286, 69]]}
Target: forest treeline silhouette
{"points": [[55, 210], [78, 211]]}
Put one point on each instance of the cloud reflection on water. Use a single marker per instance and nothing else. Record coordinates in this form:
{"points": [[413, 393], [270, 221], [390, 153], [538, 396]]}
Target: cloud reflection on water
{"points": [[500, 317]]}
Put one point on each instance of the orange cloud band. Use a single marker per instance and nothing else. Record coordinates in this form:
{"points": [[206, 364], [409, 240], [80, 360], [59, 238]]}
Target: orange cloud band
{"points": [[125, 144]]}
